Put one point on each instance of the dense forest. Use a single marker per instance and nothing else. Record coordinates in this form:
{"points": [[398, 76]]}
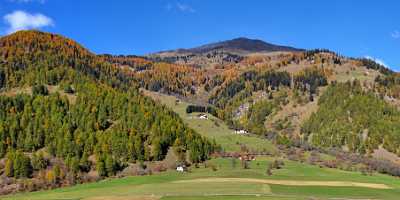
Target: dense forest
{"points": [[97, 121], [255, 118], [250, 81], [159, 76], [102, 122], [31, 57], [136, 63], [310, 79], [170, 79], [355, 118]]}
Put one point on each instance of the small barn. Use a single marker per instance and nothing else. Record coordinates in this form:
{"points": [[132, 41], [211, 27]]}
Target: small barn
{"points": [[247, 158], [241, 132], [181, 168], [203, 116]]}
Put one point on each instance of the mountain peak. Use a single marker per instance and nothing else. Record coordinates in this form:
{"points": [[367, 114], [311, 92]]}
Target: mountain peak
{"points": [[29, 41], [240, 45], [242, 38]]}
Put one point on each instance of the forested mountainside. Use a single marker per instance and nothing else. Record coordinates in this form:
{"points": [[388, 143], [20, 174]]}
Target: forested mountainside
{"points": [[29, 57], [325, 104], [159, 76], [276, 94], [68, 115], [355, 118]]}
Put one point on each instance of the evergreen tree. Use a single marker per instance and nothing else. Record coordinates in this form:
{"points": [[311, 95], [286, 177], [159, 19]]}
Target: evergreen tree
{"points": [[101, 168]]}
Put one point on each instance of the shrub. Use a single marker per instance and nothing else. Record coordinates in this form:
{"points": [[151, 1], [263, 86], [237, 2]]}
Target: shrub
{"points": [[68, 89], [40, 90]]}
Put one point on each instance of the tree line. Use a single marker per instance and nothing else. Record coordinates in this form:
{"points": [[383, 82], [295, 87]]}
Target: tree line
{"points": [[203, 109]]}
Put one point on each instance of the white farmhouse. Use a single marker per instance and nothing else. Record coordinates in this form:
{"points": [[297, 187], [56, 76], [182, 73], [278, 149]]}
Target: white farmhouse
{"points": [[180, 169], [241, 132], [203, 116]]}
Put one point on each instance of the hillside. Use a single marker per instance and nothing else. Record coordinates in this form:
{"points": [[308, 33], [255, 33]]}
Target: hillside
{"points": [[354, 119], [32, 57], [109, 126], [214, 128], [274, 94]]}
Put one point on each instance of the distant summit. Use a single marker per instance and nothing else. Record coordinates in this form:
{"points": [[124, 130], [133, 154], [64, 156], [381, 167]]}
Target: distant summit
{"points": [[240, 45], [219, 53]]}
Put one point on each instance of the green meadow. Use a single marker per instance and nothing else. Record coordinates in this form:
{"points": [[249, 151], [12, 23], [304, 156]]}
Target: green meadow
{"points": [[214, 127], [228, 180]]}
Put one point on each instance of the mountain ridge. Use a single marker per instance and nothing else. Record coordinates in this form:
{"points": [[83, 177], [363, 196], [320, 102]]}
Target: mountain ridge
{"points": [[237, 45]]}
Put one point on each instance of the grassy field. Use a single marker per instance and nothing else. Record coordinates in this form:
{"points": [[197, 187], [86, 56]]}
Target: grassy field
{"points": [[214, 127], [225, 179], [347, 73], [230, 181]]}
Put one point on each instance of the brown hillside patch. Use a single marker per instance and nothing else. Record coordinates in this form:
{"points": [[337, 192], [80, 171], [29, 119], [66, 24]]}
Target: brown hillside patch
{"points": [[289, 182], [296, 68], [349, 72], [295, 114], [385, 154], [28, 90], [15, 91]]}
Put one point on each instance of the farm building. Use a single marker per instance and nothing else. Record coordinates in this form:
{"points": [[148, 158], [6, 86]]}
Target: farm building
{"points": [[181, 168], [247, 157], [203, 116], [241, 132]]}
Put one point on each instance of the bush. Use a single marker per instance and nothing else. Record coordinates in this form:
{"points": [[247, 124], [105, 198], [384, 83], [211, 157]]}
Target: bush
{"points": [[38, 161], [384, 166], [40, 90], [277, 164], [68, 89], [18, 165], [159, 167], [213, 167], [269, 169]]}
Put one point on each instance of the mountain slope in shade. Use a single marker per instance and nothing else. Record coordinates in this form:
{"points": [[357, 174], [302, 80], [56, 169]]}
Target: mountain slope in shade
{"points": [[238, 45]]}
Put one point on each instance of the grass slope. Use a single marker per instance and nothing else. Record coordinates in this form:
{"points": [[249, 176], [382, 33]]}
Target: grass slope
{"points": [[213, 127], [176, 186]]}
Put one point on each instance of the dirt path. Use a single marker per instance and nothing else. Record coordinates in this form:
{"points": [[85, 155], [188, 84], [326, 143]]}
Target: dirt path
{"points": [[290, 182], [123, 198]]}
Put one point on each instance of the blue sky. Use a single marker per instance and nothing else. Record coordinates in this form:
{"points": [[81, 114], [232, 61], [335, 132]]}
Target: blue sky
{"points": [[356, 28]]}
